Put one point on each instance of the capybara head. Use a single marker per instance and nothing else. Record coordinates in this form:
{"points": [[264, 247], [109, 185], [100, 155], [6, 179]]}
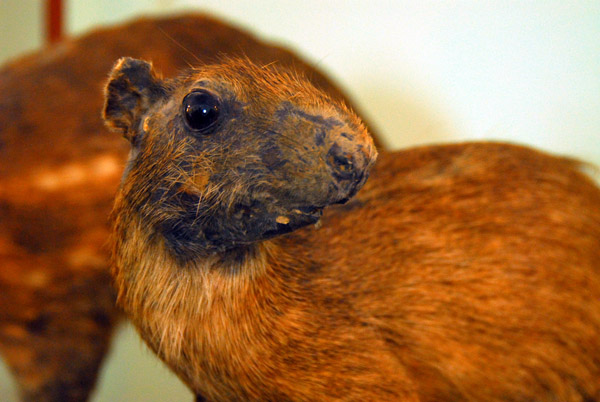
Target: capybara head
{"points": [[229, 154]]}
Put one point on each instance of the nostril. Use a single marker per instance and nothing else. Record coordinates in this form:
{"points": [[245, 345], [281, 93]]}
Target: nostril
{"points": [[348, 168], [342, 163]]}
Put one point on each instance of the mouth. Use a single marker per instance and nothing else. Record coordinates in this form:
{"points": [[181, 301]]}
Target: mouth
{"points": [[310, 215], [295, 219], [309, 210]]}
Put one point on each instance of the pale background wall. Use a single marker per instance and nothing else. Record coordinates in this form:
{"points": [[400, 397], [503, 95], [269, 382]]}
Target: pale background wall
{"points": [[422, 71]]}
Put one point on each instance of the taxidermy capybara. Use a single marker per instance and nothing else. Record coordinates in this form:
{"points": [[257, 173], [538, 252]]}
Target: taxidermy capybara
{"points": [[59, 172], [254, 267]]}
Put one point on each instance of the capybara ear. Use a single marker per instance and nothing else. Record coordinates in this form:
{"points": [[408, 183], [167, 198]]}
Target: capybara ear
{"points": [[131, 90]]}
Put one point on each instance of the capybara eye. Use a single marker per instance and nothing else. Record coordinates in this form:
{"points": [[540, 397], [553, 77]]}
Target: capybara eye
{"points": [[201, 110]]}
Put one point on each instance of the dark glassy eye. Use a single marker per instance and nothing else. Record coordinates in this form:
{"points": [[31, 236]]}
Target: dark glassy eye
{"points": [[201, 110]]}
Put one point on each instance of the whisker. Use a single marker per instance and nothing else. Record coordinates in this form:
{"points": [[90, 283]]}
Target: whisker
{"points": [[180, 46]]}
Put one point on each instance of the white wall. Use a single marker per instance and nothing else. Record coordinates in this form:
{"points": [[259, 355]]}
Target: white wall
{"points": [[20, 27], [423, 71]]}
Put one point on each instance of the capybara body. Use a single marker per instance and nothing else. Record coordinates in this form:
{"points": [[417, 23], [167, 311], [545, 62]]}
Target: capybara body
{"points": [[59, 172], [458, 272]]}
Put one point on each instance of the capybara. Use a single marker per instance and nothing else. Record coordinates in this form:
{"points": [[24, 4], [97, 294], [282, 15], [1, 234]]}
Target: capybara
{"points": [[250, 262]]}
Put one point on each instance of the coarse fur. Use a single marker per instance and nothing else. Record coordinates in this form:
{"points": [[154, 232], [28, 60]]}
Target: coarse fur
{"points": [[458, 272], [59, 171]]}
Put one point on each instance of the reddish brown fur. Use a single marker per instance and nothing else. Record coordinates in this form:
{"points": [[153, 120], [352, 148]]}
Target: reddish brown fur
{"points": [[459, 272], [59, 171]]}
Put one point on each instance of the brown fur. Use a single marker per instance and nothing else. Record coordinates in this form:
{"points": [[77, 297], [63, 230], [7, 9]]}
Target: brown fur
{"points": [[459, 272], [59, 171]]}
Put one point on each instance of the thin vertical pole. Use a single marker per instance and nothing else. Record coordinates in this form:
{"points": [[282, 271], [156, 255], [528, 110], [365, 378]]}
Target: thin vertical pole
{"points": [[54, 21]]}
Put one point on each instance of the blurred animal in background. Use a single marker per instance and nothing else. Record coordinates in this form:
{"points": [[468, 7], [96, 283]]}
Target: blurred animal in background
{"points": [[59, 172], [459, 272]]}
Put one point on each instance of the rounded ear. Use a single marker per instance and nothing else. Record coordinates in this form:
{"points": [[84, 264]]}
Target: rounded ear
{"points": [[132, 89]]}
